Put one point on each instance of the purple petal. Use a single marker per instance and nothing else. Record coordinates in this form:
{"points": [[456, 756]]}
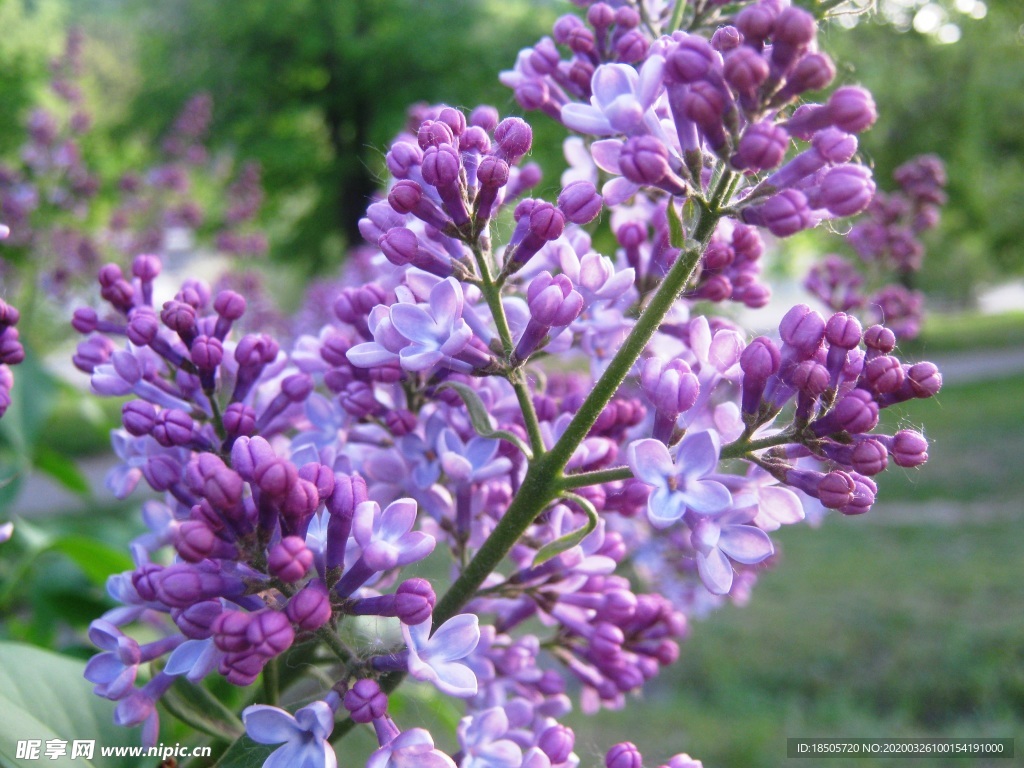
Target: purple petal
{"points": [[418, 359], [413, 547], [650, 461], [413, 322], [316, 718], [583, 118], [269, 725], [103, 668], [104, 635], [725, 350], [618, 190], [455, 679], [715, 571], [417, 636], [781, 504], [611, 81], [664, 507], [745, 544], [697, 455], [370, 354], [456, 638], [185, 657], [446, 301], [363, 520], [606, 153], [650, 81], [397, 519], [706, 497]]}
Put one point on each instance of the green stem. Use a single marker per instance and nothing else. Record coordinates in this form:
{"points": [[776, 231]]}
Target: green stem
{"points": [[646, 325], [822, 8], [741, 448], [584, 479], [492, 292], [271, 682], [332, 641], [677, 16], [529, 414]]}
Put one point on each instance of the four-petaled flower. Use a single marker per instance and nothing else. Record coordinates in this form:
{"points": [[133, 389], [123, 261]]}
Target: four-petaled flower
{"points": [[387, 538], [435, 658], [681, 484], [480, 737], [410, 749], [718, 540], [303, 736], [621, 99]]}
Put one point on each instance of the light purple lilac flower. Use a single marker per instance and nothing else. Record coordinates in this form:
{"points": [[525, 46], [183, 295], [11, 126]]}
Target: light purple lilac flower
{"points": [[436, 658], [719, 540], [303, 736], [679, 484], [413, 748]]}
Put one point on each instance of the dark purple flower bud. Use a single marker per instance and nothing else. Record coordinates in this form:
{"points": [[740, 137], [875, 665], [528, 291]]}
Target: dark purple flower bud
{"points": [[884, 374], [210, 478], [631, 47], [180, 318], [909, 448], [546, 222], [600, 15], [195, 541], [229, 305], [454, 119], [256, 350], [241, 669], [143, 325], [924, 379], [513, 137], [810, 378], [745, 70], [803, 329], [671, 387], [856, 413], [275, 477], [269, 633], [759, 361], [196, 621], [644, 160], [627, 17], [84, 320], [843, 331], [553, 301], [484, 116], [835, 489], [162, 472], [239, 420], [407, 197], [365, 701], [690, 61], [625, 754], [726, 38], [9, 315], [146, 267], [813, 71], [414, 601], [320, 475], [173, 428], [849, 108], [300, 501], [138, 417], [863, 496], [580, 202], [402, 158], [793, 31], [349, 492], [400, 421], [290, 559], [879, 340], [310, 608], [433, 133], [557, 743], [441, 166], [352, 306], [869, 457], [846, 190], [762, 147], [180, 585], [492, 172], [783, 214], [207, 352]]}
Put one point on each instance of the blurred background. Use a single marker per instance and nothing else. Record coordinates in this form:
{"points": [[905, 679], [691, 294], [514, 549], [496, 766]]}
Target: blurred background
{"points": [[905, 623]]}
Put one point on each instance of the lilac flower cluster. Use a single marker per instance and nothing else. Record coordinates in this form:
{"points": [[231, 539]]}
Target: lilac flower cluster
{"points": [[11, 352], [548, 417], [886, 238]]}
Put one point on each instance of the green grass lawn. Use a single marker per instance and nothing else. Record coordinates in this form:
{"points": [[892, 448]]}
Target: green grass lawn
{"points": [[863, 631], [966, 332]]}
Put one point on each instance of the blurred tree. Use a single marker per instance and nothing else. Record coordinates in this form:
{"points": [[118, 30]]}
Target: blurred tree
{"points": [[315, 89], [951, 83]]}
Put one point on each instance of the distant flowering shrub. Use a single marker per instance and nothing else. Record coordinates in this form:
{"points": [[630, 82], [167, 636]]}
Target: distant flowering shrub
{"points": [[530, 418]]}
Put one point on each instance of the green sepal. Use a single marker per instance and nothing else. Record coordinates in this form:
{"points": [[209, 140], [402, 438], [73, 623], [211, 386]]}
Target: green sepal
{"points": [[481, 420], [570, 540]]}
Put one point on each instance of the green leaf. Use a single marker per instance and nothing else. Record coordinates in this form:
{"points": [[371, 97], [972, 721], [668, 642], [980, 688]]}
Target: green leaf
{"points": [[96, 559], [44, 696], [570, 540], [676, 233], [480, 419], [245, 753], [62, 469]]}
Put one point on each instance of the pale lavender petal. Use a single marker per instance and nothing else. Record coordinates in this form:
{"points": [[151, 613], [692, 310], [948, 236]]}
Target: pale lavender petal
{"points": [[725, 350], [618, 190], [745, 544], [370, 354], [650, 461], [625, 114], [715, 571], [186, 656], [665, 506], [413, 322], [697, 454], [583, 118], [705, 497], [650, 81], [103, 668], [363, 520], [455, 679], [417, 636], [610, 81], [397, 519], [269, 725], [781, 504], [606, 153], [316, 718], [414, 547], [456, 638], [446, 301], [417, 360]]}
